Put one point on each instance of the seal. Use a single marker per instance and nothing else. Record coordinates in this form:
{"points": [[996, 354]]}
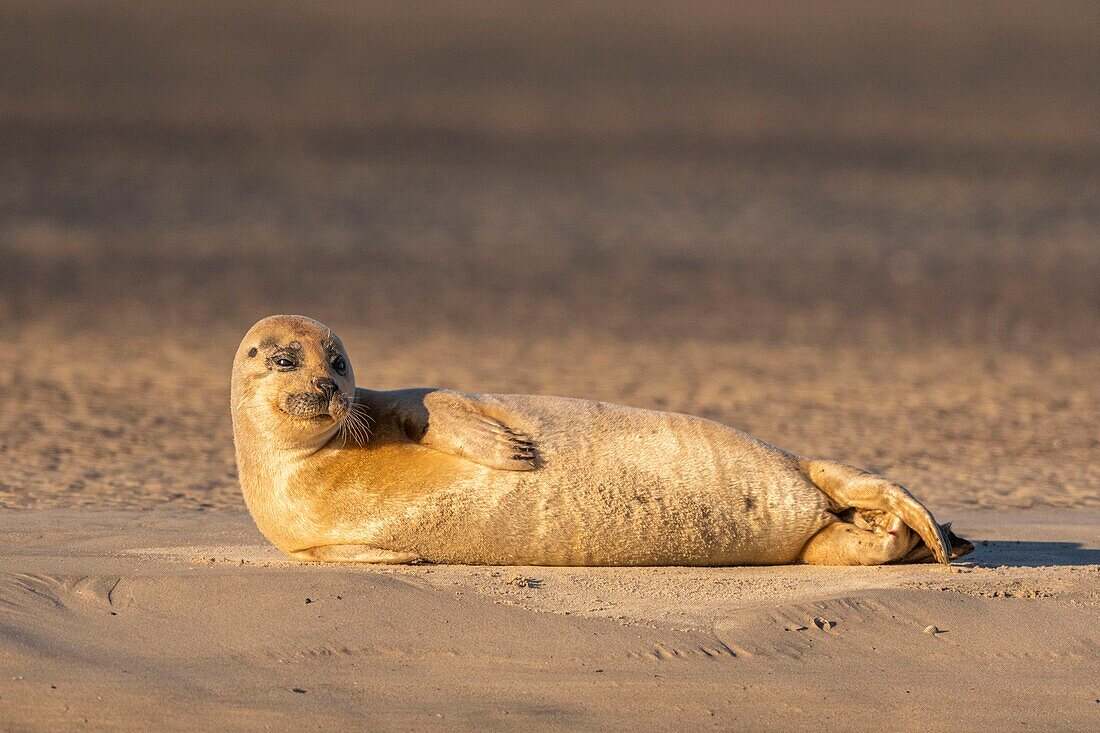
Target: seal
{"points": [[335, 472]]}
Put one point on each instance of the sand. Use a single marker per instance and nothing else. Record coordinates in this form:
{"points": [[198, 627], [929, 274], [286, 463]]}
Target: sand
{"points": [[867, 234], [184, 620]]}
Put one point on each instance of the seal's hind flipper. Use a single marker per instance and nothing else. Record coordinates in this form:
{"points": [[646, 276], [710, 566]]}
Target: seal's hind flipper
{"points": [[959, 547], [845, 543], [848, 486]]}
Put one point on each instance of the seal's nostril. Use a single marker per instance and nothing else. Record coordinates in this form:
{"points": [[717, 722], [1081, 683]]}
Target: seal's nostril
{"points": [[326, 385]]}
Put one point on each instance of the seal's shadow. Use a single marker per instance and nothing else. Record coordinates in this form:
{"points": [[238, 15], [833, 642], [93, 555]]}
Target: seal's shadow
{"points": [[1026, 554]]}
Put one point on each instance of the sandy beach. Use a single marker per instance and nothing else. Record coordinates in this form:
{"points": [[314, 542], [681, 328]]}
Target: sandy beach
{"points": [[186, 620], [869, 234]]}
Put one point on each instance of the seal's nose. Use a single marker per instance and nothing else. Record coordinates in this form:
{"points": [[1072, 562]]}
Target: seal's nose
{"points": [[326, 386]]}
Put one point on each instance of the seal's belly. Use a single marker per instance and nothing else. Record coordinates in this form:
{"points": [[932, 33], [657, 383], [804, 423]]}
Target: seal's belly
{"points": [[617, 486]]}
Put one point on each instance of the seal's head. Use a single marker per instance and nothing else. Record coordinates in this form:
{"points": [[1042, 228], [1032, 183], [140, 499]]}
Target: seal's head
{"points": [[293, 383]]}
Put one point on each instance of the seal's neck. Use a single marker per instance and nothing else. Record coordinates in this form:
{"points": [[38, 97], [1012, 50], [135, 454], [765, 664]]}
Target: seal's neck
{"points": [[260, 451], [267, 470]]}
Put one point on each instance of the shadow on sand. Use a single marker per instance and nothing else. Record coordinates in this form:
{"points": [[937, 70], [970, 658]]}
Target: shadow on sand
{"points": [[992, 553]]}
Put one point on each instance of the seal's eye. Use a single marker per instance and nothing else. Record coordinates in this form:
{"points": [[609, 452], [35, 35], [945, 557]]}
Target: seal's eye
{"points": [[339, 365], [284, 363]]}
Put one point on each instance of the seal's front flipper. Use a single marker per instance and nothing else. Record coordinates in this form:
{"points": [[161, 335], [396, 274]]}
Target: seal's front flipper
{"points": [[467, 426], [354, 553]]}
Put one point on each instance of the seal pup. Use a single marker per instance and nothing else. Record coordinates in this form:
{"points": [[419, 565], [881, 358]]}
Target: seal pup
{"points": [[335, 472]]}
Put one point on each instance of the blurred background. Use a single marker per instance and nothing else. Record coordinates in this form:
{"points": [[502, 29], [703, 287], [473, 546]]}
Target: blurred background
{"points": [[867, 230]]}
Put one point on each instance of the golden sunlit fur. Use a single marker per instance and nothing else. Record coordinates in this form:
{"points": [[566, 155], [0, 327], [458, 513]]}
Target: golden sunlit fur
{"points": [[334, 472]]}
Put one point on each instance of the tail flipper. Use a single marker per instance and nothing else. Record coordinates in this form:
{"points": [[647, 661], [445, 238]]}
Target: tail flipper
{"points": [[848, 486]]}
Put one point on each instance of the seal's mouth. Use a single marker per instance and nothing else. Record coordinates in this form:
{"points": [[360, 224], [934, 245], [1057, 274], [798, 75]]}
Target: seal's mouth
{"points": [[313, 406]]}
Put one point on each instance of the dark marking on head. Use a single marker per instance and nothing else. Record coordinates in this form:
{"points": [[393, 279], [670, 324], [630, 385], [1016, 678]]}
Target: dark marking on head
{"points": [[252, 351], [749, 503]]}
